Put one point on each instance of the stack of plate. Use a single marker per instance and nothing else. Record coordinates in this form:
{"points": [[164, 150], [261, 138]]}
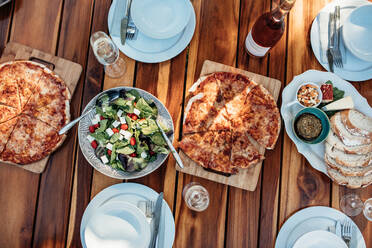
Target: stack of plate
{"points": [[113, 219], [165, 29]]}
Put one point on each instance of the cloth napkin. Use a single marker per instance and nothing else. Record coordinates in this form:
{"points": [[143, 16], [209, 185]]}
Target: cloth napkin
{"points": [[323, 19], [119, 13]]}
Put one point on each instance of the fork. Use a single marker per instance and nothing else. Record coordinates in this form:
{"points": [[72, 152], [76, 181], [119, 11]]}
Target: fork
{"points": [[132, 32], [346, 232], [336, 49]]}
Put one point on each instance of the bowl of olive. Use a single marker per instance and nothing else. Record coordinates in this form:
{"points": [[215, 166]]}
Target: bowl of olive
{"points": [[311, 125]]}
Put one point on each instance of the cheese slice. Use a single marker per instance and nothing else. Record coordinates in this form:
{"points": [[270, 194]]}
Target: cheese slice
{"points": [[343, 103]]}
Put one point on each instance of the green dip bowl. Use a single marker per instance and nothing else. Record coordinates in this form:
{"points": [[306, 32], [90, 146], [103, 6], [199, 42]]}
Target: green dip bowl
{"points": [[324, 121]]}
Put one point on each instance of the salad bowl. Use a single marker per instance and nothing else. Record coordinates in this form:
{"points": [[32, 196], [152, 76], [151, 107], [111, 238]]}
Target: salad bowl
{"points": [[105, 168]]}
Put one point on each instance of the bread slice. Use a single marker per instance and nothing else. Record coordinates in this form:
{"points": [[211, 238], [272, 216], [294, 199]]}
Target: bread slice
{"points": [[350, 182], [334, 141], [349, 160], [357, 123], [348, 171], [344, 135]]}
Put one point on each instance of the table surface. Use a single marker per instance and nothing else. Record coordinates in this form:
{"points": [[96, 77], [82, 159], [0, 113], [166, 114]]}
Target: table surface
{"points": [[45, 210]]}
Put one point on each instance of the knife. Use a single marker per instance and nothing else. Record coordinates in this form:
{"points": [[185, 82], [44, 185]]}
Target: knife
{"points": [[170, 145], [330, 41], [338, 229], [124, 23], [156, 220]]}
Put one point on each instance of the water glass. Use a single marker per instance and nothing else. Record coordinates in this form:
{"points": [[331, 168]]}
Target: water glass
{"points": [[196, 197]]}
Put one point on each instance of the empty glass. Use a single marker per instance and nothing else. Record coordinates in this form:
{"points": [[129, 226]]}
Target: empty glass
{"points": [[352, 205], [107, 53], [196, 197]]}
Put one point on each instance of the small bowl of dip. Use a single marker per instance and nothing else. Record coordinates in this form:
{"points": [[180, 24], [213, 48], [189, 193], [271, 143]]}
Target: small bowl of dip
{"points": [[311, 125], [309, 95]]}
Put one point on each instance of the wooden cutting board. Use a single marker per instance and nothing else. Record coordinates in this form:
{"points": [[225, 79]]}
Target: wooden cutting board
{"points": [[69, 71], [246, 178]]}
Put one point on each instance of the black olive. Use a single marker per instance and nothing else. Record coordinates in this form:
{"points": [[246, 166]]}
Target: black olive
{"points": [[123, 160], [122, 93], [131, 166], [151, 103], [100, 151]]}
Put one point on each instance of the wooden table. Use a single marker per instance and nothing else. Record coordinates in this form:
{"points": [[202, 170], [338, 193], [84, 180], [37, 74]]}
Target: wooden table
{"points": [[45, 210]]}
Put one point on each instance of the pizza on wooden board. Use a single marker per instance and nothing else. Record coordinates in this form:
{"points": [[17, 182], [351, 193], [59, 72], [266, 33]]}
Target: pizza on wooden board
{"points": [[34, 106], [232, 103]]}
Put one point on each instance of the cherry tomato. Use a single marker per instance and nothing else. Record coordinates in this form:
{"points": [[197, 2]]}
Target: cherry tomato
{"points": [[124, 126], [132, 141], [115, 130], [101, 118], [129, 115], [133, 154], [109, 152], [94, 144], [152, 153], [143, 119], [92, 129], [134, 117], [134, 104], [96, 126]]}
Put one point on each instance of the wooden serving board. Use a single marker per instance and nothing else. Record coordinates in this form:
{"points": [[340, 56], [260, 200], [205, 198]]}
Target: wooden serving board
{"points": [[246, 178], [69, 71]]}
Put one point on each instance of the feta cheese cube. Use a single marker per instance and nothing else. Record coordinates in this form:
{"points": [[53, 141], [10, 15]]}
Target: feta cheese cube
{"points": [[120, 113], [104, 109], [127, 135], [109, 146], [109, 131], [90, 138], [136, 111], [104, 159], [121, 137], [97, 116], [95, 121], [122, 120], [116, 123], [143, 154]]}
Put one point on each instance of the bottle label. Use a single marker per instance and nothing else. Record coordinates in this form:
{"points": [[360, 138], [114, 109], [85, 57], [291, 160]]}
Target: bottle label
{"points": [[254, 48]]}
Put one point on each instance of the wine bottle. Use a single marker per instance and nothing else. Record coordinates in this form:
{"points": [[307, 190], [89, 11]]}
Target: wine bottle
{"points": [[268, 29]]}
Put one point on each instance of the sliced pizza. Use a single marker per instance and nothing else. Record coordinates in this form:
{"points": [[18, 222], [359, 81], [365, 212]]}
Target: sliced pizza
{"points": [[205, 108], [245, 151], [30, 141], [210, 149], [9, 95], [260, 117], [6, 129], [27, 75], [7, 113], [51, 102]]}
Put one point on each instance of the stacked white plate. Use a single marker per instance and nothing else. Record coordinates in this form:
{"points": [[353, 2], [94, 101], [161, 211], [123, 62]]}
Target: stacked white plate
{"points": [[165, 27], [112, 219]]}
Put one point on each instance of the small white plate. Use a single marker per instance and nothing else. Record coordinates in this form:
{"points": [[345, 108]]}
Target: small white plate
{"points": [[316, 239], [315, 153], [131, 193], [148, 50], [313, 219], [161, 19], [354, 69], [117, 224]]}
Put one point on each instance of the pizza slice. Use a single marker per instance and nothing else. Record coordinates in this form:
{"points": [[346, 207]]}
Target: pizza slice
{"points": [[260, 117], [30, 141], [27, 75], [205, 108], [6, 129], [9, 95], [210, 149], [50, 103], [245, 151], [7, 113]]}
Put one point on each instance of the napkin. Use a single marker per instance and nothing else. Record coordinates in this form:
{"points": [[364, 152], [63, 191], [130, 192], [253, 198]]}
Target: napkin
{"points": [[323, 19], [119, 13]]}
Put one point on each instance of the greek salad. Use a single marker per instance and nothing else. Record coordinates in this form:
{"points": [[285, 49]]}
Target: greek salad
{"points": [[124, 133]]}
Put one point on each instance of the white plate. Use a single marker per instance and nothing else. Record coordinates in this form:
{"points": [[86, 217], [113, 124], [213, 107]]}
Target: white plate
{"points": [[131, 193], [312, 219], [149, 50], [315, 153], [161, 19], [316, 239], [354, 69], [117, 224]]}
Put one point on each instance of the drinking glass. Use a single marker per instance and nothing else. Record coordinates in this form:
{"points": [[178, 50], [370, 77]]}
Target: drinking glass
{"points": [[367, 211], [107, 53], [196, 197], [351, 204]]}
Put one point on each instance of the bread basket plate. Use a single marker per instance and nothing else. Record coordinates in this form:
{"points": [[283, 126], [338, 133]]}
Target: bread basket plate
{"points": [[315, 153], [105, 169]]}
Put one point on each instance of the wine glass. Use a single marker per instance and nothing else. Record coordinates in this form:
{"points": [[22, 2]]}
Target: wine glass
{"points": [[107, 53], [351, 204], [367, 210], [196, 197]]}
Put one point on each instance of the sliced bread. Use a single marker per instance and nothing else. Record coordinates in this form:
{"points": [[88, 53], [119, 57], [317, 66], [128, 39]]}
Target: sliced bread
{"points": [[348, 171], [350, 182], [334, 141], [344, 135], [349, 160], [357, 123]]}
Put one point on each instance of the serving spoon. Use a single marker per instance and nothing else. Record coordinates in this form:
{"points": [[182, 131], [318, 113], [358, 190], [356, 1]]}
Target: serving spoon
{"points": [[113, 95]]}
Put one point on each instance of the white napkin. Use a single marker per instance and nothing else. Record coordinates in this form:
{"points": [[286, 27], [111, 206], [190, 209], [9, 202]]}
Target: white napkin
{"points": [[119, 12], [323, 19]]}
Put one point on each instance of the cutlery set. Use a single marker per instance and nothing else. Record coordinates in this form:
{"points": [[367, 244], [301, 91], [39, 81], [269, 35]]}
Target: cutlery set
{"points": [[334, 33], [344, 230]]}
